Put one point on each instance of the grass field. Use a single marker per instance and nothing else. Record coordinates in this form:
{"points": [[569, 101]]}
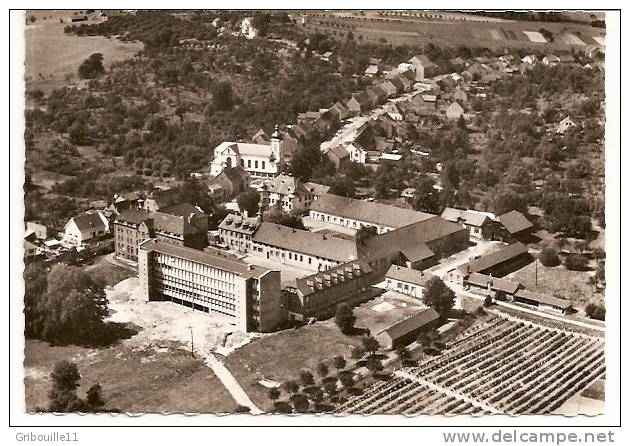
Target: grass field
{"points": [[281, 356], [492, 35], [108, 273], [158, 378], [51, 55]]}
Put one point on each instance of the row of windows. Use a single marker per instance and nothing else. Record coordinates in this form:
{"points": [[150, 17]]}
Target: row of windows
{"points": [[217, 303], [214, 287]]}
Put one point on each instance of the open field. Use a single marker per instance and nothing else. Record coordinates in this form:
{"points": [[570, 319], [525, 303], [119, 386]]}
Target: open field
{"points": [[109, 274], [494, 367], [281, 356], [558, 281], [52, 55], [491, 34], [157, 378]]}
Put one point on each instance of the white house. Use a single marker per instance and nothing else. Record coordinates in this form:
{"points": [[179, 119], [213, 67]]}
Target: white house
{"points": [[259, 160], [407, 281], [565, 125], [85, 227], [530, 59], [247, 28], [358, 153], [454, 111]]}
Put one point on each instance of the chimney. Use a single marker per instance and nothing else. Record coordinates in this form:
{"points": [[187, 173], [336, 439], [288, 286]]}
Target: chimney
{"points": [[245, 214]]}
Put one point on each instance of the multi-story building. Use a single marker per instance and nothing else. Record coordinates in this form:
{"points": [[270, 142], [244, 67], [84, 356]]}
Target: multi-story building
{"points": [[236, 232], [212, 282], [352, 213], [407, 280], [259, 160], [289, 193], [181, 224]]}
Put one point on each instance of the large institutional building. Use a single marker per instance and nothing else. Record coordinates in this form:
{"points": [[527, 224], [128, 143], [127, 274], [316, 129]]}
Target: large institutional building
{"points": [[212, 282], [259, 160]]}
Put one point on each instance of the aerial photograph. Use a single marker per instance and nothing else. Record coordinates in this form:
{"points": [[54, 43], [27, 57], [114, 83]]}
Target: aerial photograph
{"points": [[340, 212]]}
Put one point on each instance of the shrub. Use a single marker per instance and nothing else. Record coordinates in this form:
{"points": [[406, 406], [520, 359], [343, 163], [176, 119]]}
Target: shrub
{"points": [[576, 262], [596, 311], [549, 257]]}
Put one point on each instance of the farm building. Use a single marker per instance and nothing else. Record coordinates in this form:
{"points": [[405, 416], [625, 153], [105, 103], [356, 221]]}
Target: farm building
{"points": [[516, 224], [489, 285], [543, 301], [479, 224], [406, 331], [498, 263]]}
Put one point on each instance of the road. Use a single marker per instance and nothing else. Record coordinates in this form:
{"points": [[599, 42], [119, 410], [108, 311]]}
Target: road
{"points": [[231, 384]]}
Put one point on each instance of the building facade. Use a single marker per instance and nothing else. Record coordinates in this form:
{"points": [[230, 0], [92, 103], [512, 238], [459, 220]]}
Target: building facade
{"points": [[236, 231], [289, 193], [212, 283], [131, 227], [85, 228]]}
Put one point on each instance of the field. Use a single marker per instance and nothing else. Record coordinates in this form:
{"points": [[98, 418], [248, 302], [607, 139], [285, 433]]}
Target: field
{"points": [[494, 367], [281, 356], [490, 34], [156, 378], [52, 57]]}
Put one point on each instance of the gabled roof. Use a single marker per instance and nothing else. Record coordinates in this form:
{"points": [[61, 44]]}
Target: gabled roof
{"points": [[362, 98], [408, 275], [455, 108], [472, 218], [134, 216], [87, 222], [234, 174], [339, 151], [488, 261], [496, 283], [283, 184], [173, 224], [515, 222], [306, 242], [417, 253], [411, 324], [544, 299], [244, 148], [369, 212], [238, 223], [329, 278], [316, 188], [423, 60], [371, 69], [183, 209]]}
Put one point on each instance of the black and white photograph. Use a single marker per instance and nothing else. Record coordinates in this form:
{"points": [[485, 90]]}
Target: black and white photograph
{"points": [[332, 212]]}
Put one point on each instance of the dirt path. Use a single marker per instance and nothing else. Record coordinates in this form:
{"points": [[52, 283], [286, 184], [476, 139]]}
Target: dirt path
{"points": [[230, 383]]}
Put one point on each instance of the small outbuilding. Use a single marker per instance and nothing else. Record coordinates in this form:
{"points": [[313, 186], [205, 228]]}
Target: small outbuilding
{"points": [[405, 331]]}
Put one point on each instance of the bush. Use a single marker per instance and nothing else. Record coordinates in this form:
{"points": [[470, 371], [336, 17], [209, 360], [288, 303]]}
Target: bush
{"points": [[549, 257], [487, 301], [595, 311], [576, 262]]}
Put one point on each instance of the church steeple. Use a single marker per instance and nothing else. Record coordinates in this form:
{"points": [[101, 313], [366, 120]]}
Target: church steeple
{"points": [[277, 148]]}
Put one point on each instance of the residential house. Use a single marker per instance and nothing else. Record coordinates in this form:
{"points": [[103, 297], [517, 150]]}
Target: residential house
{"points": [[480, 225], [377, 95], [358, 153], [389, 88], [85, 228], [516, 224], [233, 181], [359, 103], [289, 193], [551, 60], [185, 226], [454, 111], [460, 96], [565, 125], [40, 230], [161, 197], [216, 192], [261, 137], [340, 110], [339, 156], [308, 117], [236, 232], [490, 286], [530, 59], [423, 66]]}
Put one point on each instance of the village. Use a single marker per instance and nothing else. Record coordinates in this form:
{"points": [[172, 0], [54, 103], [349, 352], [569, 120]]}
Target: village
{"points": [[401, 282]]}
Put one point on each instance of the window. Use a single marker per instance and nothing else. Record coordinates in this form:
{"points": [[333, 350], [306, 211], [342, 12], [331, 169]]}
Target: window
{"points": [[249, 163], [242, 162], [256, 164], [263, 164]]}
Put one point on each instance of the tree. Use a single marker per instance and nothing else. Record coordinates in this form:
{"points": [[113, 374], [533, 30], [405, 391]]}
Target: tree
{"points": [[92, 67], [344, 318], [357, 352], [439, 297], [94, 398], [222, 96], [364, 233], [291, 386], [599, 254], [322, 369], [330, 387], [509, 200], [595, 311], [248, 201], [306, 378], [300, 403], [500, 295], [339, 362], [370, 345], [487, 302], [74, 306], [347, 379], [374, 365], [63, 395], [576, 262], [273, 394], [549, 257], [35, 280]]}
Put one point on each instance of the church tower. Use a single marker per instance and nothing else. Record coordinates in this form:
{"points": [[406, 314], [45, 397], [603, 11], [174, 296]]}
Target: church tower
{"points": [[277, 148]]}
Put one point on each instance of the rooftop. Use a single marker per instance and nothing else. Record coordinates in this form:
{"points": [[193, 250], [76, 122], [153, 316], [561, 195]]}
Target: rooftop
{"points": [[412, 323], [89, 221], [495, 258], [515, 222], [333, 276], [408, 275], [495, 283], [544, 299]]}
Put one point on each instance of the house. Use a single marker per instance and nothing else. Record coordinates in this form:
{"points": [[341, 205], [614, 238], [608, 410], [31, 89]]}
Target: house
{"points": [[326, 56], [543, 301], [183, 225], [289, 193], [480, 225], [516, 224], [161, 197], [319, 294], [308, 117], [371, 70], [454, 111], [406, 331], [84, 228], [40, 230], [259, 160], [460, 95], [389, 88], [261, 137], [30, 249], [498, 263], [217, 193], [377, 95], [247, 28], [340, 110], [593, 51], [390, 157], [551, 60], [530, 59], [236, 232], [233, 181], [567, 59], [565, 125], [124, 201], [358, 153], [398, 84], [339, 156], [131, 227], [423, 67], [408, 193], [407, 280], [306, 133]]}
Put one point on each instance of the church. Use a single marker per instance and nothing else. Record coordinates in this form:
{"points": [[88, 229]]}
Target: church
{"points": [[259, 160]]}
